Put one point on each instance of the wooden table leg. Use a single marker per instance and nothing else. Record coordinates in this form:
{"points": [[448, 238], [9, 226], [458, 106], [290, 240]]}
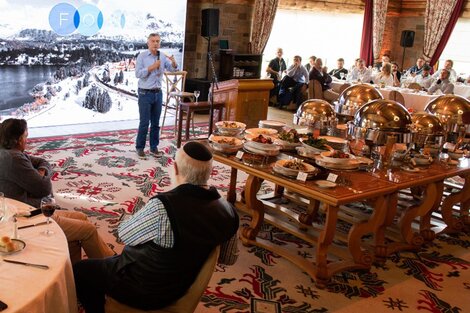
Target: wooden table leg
{"points": [[425, 222], [253, 184], [232, 194], [180, 127], [455, 225], [311, 215], [323, 275], [381, 252], [188, 122]]}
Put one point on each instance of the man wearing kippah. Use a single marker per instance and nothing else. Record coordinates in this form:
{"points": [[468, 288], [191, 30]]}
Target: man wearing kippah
{"points": [[167, 241], [149, 69]]}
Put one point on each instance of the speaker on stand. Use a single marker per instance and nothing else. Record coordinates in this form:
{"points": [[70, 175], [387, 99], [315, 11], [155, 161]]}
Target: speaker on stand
{"points": [[209, 28], [407, 40]]}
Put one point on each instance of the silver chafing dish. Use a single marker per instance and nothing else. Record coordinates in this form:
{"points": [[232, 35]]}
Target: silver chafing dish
{"points": [[427, 129], [316, 114], [452, 111], [355, 96], [376, 120]]}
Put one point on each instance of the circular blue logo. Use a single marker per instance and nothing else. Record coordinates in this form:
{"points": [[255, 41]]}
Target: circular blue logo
{"points": [[63, 19], [91, 20]]}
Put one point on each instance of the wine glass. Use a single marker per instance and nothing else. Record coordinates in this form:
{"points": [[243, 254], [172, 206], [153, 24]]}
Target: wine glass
{"points": [[341, 75], [48, 206], [197, 93]]}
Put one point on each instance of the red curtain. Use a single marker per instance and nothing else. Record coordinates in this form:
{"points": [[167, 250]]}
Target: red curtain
{"points": [[447, 32], [366, 42]]}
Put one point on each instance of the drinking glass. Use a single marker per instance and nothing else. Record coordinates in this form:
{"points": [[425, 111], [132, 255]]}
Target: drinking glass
{"points": [[197, 93], [341, 75], [48, 206]]}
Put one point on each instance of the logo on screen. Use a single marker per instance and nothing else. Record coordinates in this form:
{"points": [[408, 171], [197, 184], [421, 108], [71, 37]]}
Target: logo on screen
{"points": [[65, 19]]}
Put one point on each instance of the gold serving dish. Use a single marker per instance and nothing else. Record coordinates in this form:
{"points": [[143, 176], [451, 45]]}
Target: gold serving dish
{"points": [[317, 114], [355, 96], [452, 111]]}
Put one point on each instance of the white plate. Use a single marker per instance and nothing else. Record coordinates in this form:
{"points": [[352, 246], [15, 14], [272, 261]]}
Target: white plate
{"points": [[230, 131], [308, 168], [261, 131], [410, 169], [336, 166], [364, 160], [325, 184], [313, 149], [277, 125], [341, 161], [306, 153], [19, 245], [261, 152], [336, 140], [286, 145], [260, 145]]}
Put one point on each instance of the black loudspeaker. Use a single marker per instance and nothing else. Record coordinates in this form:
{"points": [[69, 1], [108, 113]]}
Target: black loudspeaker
{"points": [[407, 38], [210, 23]]}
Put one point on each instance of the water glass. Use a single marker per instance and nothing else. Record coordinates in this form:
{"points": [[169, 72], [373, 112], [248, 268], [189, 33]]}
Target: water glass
{"points": [[197, 93]]}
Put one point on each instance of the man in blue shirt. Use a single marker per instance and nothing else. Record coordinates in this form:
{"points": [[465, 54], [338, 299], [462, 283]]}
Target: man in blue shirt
{"points": [[150, 66], [294, 83]]}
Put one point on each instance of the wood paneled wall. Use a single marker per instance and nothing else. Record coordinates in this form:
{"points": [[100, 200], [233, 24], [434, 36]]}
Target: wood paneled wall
{"points": [[236, 20]]}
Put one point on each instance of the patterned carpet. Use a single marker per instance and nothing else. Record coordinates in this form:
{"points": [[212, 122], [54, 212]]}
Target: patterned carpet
{"points": [[99, 174]]}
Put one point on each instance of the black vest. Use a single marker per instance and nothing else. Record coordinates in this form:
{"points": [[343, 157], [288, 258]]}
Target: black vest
{"points": [[151, 277]]}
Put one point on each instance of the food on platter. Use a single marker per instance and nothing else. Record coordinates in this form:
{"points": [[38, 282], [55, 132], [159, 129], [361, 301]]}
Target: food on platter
{"points": [[262, 139], [6, 244], [230, 128], [225, 144], [337, 157], [295, 164], [421, 159], [315, 144], [290, 136], [457, 154], [292, 167], [261, 131]]}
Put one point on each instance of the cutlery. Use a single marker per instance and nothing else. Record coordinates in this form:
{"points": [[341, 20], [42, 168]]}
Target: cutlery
{"points": [[44, 267], [32, 225]]}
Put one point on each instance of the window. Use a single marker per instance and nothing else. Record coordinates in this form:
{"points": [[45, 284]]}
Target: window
{"points": [[326, 35], [457, 48]]}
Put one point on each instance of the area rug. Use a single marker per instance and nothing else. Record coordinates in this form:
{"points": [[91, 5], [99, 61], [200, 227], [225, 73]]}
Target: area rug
{"points": [[100, 175]]}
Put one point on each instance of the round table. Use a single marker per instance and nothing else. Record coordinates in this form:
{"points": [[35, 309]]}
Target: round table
{"points": [[30, 289]]}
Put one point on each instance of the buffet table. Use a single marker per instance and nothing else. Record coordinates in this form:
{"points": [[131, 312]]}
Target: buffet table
{"points": [[380, 189], [30, 289]]}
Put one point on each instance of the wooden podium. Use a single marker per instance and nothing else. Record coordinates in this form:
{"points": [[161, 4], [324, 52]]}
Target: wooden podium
{"points": [[246, 100]]}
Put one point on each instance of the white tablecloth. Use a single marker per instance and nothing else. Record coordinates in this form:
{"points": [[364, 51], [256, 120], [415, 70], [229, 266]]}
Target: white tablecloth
{"points": [[462, 90], [29, 289], [415, 100]]}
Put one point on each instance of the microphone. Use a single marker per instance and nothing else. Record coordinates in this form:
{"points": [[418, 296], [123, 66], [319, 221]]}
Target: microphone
{"points": [[158, 55]]}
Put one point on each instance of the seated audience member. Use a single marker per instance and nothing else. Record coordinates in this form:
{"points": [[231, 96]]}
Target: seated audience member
{"points": [[448, 64], [417, 68], [385, 77], [320, 74], [311, 63], [443, 84], [424, 79], [340, 69], [167, 241], [360, 72], [396, 72], [385, 59], [294, 83], [27, 178], [275, 69]]}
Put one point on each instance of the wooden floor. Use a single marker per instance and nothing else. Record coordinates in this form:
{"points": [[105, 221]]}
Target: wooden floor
{"points": [[34, 132]]}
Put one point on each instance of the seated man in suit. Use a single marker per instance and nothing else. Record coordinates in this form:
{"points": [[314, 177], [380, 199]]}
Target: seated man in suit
{"points": [[274, 70], [418, 67], [443, 84], [424, 79], [294, 83], [27, 178], [339, 70], [167, 241], [448, 64], [320, 74], [360, 72], [311, 63]]}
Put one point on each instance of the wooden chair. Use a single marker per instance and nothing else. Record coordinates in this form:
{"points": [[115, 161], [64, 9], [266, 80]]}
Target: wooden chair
{"points": [[343, 87], [396, 96], [185, 304], [314, 89], [414, 86], [175, 84]]}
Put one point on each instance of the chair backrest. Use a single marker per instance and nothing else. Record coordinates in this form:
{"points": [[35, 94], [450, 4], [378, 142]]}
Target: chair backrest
{"points": [[185, 304], [414, 86], [317, 89], [175, 82], [343, 87], [396, 96]]}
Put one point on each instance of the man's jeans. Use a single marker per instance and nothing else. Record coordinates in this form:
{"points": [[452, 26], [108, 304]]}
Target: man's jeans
{"points": [[150, 109]]}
